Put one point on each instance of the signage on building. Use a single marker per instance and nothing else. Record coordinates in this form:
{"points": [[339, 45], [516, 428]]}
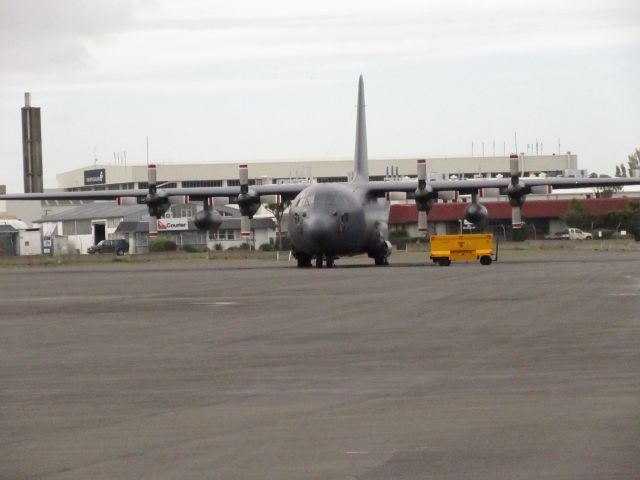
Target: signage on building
{"points": [[166, 224], [95, 177], [47, 246]]}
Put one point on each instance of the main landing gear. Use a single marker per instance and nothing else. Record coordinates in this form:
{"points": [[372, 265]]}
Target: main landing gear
{"points": [[381, 261], [304, 261], [329, 261]]}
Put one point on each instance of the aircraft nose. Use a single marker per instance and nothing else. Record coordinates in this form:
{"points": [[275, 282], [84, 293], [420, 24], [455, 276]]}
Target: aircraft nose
{"points": [[319, 228]]}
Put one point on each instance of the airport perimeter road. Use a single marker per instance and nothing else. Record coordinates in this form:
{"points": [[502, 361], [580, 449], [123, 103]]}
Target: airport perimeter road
{"points": [[527, 369]]}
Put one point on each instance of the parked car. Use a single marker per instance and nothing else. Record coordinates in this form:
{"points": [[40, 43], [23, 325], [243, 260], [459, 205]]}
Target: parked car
{"points": [[570, 234], [573, 234], [559, 235], [119, 247]]}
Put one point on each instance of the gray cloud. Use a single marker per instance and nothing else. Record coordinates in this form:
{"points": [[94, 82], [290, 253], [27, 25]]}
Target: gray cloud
{"points": [[49, 36]]}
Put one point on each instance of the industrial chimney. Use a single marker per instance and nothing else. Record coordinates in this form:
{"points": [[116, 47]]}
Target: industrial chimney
{"points": [[31, 146]]}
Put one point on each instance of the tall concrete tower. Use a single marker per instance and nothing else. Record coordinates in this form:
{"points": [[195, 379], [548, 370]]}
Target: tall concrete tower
{"points": [[31, 146]]}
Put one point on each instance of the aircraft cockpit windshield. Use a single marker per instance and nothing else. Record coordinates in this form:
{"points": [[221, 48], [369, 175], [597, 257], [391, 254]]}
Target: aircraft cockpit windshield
{"points": [[305, 199], [323, 200]]}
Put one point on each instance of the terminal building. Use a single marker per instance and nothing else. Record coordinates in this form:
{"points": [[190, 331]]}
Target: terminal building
{"points": [[123, 177]]}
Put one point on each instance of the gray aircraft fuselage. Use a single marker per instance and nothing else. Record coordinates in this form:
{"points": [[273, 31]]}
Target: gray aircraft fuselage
{"points": [[328, 220], [338, 219]]}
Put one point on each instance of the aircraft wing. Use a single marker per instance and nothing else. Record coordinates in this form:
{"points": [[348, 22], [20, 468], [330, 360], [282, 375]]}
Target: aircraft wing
{"points": [[89, 195], [196, 192], [477, 183]]}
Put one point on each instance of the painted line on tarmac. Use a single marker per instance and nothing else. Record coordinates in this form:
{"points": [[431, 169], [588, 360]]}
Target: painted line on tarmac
{"points": [[222, 304]]}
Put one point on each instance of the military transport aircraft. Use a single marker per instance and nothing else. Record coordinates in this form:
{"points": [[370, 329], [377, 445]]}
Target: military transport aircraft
{"points": [[329, 220]]}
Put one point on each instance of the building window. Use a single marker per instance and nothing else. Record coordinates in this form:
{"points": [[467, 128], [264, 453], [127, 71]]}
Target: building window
{"points": [[331, 179], [201, 183], [83, 227], [76, 227], [225, 234], [234, 182]]}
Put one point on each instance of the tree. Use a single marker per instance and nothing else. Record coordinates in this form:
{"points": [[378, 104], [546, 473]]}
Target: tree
{"points": [[277, 210], [578, 216], [621, 170], [626, 219], [634, 161], [605, 192]]}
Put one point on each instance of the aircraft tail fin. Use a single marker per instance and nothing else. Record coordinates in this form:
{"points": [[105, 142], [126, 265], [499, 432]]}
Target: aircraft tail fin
{"points": [[361, 160]]}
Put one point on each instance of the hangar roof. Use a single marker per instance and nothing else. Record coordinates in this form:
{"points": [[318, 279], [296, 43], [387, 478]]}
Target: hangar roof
{"points": [[90, 211]]}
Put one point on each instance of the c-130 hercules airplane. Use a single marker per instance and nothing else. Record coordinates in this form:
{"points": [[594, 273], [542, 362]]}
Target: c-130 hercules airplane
{"points": [[330, 220]]}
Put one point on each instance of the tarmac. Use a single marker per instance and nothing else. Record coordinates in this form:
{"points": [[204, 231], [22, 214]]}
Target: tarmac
{"points": [[254, 369]]}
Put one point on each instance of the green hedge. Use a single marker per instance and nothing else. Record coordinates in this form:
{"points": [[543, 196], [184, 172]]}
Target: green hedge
{"points": [[161, 244]]}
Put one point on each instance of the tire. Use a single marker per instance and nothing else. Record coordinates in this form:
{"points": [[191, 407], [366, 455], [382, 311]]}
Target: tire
{"points": [[319, 261], [303, 261], [330, 262], [444, 262], [120, 252], [485, 260]]}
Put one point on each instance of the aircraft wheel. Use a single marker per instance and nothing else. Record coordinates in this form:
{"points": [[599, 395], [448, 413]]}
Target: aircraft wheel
{"points": [[485, 260], [304, 261]]}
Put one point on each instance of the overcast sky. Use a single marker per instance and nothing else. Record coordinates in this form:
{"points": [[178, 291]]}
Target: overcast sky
{"points": [[213, 81]]}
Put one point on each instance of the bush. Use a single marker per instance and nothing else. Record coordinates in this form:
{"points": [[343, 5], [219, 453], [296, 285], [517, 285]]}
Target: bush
{"points": [[399, 238], [606, 233], [161, 244], [194, 248], [267, 247], [519, 234]]}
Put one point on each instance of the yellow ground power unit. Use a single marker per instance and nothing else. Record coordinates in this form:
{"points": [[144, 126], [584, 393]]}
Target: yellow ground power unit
{"points": [[468, 247]]}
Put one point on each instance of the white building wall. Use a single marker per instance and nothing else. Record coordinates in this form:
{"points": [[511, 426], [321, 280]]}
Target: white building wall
{"points": [[79, 243], [263, 236], [322, 168], [30, 242]]}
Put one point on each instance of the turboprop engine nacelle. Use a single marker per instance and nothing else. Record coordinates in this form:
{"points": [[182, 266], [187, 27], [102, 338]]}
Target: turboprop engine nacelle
{"points": [[207, 220], [475, 213]]}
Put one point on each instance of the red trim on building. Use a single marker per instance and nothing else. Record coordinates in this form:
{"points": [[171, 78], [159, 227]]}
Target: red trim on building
{"points": [[444, 212]]}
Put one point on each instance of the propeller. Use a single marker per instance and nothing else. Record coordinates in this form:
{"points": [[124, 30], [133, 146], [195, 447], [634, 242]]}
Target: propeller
{"points": [[248, 201], [424, 196], [157, 201], [516, 192]]}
